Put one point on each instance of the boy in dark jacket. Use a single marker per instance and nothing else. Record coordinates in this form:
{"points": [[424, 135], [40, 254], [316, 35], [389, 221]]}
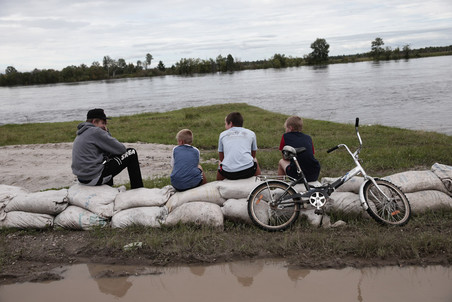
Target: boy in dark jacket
{"points": [[97, 156], [295, 138]]}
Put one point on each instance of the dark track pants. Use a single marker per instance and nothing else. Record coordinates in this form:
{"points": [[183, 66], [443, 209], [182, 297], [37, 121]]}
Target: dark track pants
{"points": [[114, 165]]}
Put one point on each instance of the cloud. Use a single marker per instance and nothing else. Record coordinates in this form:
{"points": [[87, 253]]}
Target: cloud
{"points": [[58, 33]]}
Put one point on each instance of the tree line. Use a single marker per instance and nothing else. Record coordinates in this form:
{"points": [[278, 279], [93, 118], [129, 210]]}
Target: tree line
{"points": [[111, 68]]}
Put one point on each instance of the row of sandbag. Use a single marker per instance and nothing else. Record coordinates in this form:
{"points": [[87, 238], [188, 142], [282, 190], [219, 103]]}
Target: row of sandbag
{"points": [[83, 207], [425, 190]]}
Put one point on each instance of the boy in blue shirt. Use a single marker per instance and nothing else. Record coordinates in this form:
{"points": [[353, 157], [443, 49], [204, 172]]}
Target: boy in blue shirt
{"points": [[295, 138], [187, 172]]}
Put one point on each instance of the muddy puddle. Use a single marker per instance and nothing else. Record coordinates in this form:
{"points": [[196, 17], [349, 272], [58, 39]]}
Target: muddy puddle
{"points": [[262, 280]]}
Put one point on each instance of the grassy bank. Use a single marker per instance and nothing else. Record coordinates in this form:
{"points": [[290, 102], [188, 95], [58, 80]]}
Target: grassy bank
{"points": [[427, 239], [386, 150]]}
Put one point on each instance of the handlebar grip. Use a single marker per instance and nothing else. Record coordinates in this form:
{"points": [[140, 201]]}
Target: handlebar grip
{"points": [[357, 122], [332, 149]]}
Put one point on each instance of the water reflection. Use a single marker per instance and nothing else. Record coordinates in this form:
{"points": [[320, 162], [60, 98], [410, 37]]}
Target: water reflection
{"points": [[259, 280]]}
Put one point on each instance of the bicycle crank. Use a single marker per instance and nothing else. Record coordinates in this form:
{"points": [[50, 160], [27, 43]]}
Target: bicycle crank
{"points": [[317, 200]]}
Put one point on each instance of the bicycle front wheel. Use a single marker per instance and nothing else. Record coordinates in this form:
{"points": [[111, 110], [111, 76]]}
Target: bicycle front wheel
{"points": [[267, 211], [387, 203]]}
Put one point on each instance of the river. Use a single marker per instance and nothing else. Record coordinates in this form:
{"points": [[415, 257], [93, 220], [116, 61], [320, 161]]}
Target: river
{"points": [[412, 94]]}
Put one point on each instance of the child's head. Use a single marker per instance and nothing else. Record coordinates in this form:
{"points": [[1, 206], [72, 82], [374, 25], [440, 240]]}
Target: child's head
{"points": [[185, 136], [235, 118], [294, 123]]}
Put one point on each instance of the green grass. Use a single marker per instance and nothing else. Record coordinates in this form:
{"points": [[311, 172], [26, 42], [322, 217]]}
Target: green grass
{"points": [[386, 150]]}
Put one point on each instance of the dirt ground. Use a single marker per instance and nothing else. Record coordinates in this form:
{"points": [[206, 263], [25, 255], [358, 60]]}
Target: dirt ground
{"points": [[47, 166], [31, 256]]}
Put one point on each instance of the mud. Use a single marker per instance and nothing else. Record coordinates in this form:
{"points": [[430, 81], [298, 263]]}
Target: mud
{"points": [[257, 280]]}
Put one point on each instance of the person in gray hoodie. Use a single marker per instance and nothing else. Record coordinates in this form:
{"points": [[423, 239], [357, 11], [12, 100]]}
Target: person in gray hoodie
{"points": [[97, 156]]}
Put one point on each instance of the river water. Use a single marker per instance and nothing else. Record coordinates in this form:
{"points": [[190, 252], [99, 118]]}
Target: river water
{"points": [[412, 94], [260, 280]]}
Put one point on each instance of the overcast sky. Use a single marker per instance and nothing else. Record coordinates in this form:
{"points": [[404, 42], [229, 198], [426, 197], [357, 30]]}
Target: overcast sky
{"points": [[53, 34]]}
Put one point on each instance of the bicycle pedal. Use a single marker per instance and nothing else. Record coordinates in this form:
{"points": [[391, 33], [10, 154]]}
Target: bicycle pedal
{"points": [[318, 212]]}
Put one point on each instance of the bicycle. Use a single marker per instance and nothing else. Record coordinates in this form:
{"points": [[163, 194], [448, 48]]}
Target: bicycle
{"points": [[274, 205]]}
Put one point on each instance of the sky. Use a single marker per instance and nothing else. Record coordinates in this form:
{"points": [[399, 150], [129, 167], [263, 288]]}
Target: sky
{"points": [[53, 34]]}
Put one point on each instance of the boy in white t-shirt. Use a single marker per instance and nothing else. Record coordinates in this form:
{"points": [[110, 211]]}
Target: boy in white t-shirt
{"points": [[237, 148]]}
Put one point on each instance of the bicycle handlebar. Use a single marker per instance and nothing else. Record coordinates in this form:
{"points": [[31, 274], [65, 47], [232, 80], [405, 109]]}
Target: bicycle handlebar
{"points": [[332, 149], [357, 122]]}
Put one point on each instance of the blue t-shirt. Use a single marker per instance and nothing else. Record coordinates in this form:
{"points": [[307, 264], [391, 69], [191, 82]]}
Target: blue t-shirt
{"points": [[237, 143], [185, 161], [309, 165]]}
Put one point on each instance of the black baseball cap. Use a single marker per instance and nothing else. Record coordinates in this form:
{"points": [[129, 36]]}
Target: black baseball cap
{"points": [[97, 113]]}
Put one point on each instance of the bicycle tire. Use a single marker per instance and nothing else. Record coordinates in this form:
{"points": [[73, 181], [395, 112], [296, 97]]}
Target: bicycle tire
{"points": [[270, 217], [395, 211]]}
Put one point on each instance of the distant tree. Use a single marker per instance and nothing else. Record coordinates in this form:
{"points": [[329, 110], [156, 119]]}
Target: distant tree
{"points": [[230, 65], [161, 66], [278, 60], [148, 60], [406, 51], [320, 50], [109, 65], [139, 65], [221, 63], [377, 48], [10, 70]]}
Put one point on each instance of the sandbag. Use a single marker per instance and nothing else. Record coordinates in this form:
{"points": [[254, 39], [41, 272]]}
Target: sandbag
{"points": [[200, 213], [76, 218], [25, 220], [428, 200], [50, 202], [236, 210], [142, 216], [445, 174], [352, 185], [346, 202], [143, 197], [415, 181], [312, 217], [205, 193], [96, 199], [7, 193], [237, 189]]}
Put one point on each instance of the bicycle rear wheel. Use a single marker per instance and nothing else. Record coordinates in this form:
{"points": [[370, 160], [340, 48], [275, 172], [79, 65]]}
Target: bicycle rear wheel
{"points": [[394, 210], [266, 212]]}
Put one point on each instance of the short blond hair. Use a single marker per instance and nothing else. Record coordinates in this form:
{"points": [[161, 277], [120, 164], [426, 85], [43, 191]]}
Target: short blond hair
{"points": [[295, 122], [185, 135]]}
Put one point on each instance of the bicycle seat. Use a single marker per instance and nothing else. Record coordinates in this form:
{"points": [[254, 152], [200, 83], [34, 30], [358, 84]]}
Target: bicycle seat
{"points": [[289, 152]]}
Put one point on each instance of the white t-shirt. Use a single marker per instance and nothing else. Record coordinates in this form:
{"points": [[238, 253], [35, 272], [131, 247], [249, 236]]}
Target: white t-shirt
{"points": [[237, 143]]}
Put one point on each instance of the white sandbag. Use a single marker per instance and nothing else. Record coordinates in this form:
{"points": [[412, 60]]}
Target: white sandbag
{"points": [[25, 220], [237, 189], [143, 197], [445, 174], [415, 181], [350, 186], [313, 218], [346, 202], [301, 187], [7, 193], [205, 193], [50, 202], [200, 213], [142, 216], [428, 200], [96, 199], [236, 210], [76, 218]]}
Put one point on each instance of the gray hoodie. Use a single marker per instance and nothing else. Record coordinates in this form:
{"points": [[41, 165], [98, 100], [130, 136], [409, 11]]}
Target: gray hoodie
{"points": [[91, 146]]}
